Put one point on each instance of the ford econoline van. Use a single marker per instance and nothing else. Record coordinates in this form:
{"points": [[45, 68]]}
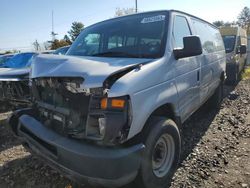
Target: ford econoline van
{"points": [[112, 111], [235, 41]]}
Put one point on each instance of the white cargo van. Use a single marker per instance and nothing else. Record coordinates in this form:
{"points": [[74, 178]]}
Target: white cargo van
{"points": [[235, 41], [112, 111]]}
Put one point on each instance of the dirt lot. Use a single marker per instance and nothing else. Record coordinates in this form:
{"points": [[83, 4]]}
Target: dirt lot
{"points": [[216, 150]]}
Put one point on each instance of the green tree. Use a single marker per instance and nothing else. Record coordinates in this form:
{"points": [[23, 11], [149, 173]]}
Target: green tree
{"points": [[244, 19], [8, 52], [58, 43], [124, 11], [67, 39], [219, 23], [75, 30], [222, 23]]}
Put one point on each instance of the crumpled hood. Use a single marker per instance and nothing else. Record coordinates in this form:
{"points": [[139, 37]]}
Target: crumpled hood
{"points": [[12, 73], [94, 70]]}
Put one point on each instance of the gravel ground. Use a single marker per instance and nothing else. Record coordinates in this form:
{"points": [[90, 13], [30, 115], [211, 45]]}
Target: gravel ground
{"points": [[216, 150]]}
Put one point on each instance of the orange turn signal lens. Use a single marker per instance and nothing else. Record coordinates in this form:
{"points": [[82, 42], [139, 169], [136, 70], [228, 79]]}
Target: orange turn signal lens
{"points": [[117, 103], [104, 103]]}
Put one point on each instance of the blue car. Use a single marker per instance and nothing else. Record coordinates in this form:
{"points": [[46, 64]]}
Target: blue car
{"points": [[14, 78], [19, 61], [5, 58]]}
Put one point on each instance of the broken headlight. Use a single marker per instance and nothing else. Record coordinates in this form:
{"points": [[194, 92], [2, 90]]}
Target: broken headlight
{"points": [[111, 122]]}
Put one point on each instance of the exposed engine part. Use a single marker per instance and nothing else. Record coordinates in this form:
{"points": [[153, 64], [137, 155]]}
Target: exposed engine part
{"points": [[71, 111], [63, 104]]}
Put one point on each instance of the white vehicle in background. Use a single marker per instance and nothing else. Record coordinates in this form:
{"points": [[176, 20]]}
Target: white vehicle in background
{"points": [[248, 51], [235, 41]]}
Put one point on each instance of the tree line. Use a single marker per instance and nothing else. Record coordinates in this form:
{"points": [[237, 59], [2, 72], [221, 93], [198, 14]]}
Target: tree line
{"points": [[75, 30], [77, 27], [242, 21]]}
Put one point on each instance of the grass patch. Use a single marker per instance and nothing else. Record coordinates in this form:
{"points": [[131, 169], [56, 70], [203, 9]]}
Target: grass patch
{"points": [[246, 74]]}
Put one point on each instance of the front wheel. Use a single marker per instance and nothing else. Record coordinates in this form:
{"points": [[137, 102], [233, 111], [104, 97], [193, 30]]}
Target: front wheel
{"points": [[161, 155]]}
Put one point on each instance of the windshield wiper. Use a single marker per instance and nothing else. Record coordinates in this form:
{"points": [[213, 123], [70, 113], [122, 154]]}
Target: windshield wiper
{"points": [[114, 54]]}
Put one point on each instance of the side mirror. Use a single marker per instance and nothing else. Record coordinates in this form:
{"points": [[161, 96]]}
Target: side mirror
{"points": [[243, 49], [192, 47]]}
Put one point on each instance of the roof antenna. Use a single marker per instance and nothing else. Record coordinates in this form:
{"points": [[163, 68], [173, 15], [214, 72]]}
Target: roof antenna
{"points": [[136, 8]]}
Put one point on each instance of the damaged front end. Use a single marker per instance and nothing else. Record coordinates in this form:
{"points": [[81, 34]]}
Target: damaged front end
{"points": [[15, 90], [61, 104]]}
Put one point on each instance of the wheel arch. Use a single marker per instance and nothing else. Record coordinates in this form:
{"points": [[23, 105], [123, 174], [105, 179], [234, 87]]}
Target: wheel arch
{"points": [[164, 111]]}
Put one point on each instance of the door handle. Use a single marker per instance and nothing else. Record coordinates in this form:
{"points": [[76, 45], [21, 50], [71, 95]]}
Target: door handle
{"points": [[198, 75]]}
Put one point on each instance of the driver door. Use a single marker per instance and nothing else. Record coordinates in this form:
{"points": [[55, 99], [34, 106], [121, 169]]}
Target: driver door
{"points": [[187, 71]]}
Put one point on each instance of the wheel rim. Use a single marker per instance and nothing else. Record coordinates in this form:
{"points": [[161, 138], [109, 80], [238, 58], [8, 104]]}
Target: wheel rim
{"points": [[163, 155]]}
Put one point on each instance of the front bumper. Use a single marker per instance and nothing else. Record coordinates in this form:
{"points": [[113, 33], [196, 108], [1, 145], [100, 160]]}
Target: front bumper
{"points": [[83, 162]]}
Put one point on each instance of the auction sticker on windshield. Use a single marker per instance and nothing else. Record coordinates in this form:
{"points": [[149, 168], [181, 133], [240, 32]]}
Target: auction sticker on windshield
{"points": [[153, 19]]}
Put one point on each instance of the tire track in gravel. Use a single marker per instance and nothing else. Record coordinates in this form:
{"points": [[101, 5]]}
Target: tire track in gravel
{"points": [[214, 158]]}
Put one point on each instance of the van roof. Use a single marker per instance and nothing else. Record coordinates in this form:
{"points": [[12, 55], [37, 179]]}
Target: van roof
{"points": [[172, 10], [155, 11]]}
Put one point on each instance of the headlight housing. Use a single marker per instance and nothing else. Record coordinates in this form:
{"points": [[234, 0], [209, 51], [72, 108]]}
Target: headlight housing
{"points": [[111, 122]]}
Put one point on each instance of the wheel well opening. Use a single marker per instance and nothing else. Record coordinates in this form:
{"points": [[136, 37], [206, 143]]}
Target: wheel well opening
{"points": [[166, 110]]}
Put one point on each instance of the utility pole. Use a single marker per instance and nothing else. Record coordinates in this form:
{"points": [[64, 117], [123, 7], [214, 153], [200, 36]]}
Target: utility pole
{"points": [[53, 34], [136, 8]]}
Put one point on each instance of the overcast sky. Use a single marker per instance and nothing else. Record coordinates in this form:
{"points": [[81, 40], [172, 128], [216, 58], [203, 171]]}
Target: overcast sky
{"points": [[24, 21]]}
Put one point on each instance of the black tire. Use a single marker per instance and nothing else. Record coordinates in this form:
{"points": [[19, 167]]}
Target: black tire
{"points": [[236, 76], [159, 128], [217, 97]]}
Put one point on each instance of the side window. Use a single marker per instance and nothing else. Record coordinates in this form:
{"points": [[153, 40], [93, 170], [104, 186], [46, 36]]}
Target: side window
{"points": [[210, 37], [92, 39], [115, 42], [180, 30], [89, 44], [131, 41]]}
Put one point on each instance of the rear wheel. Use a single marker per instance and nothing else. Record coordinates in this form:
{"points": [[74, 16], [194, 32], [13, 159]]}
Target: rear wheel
{"points": [[236, 76], [161, 155]]}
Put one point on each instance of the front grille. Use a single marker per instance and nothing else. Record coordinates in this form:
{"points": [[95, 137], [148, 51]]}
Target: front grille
{"points": [[62, 105]]}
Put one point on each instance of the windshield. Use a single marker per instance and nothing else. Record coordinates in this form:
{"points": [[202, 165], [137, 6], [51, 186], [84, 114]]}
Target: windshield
{"points": [[19, 61], [136, 36], [229, 42], [61, 51]]}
